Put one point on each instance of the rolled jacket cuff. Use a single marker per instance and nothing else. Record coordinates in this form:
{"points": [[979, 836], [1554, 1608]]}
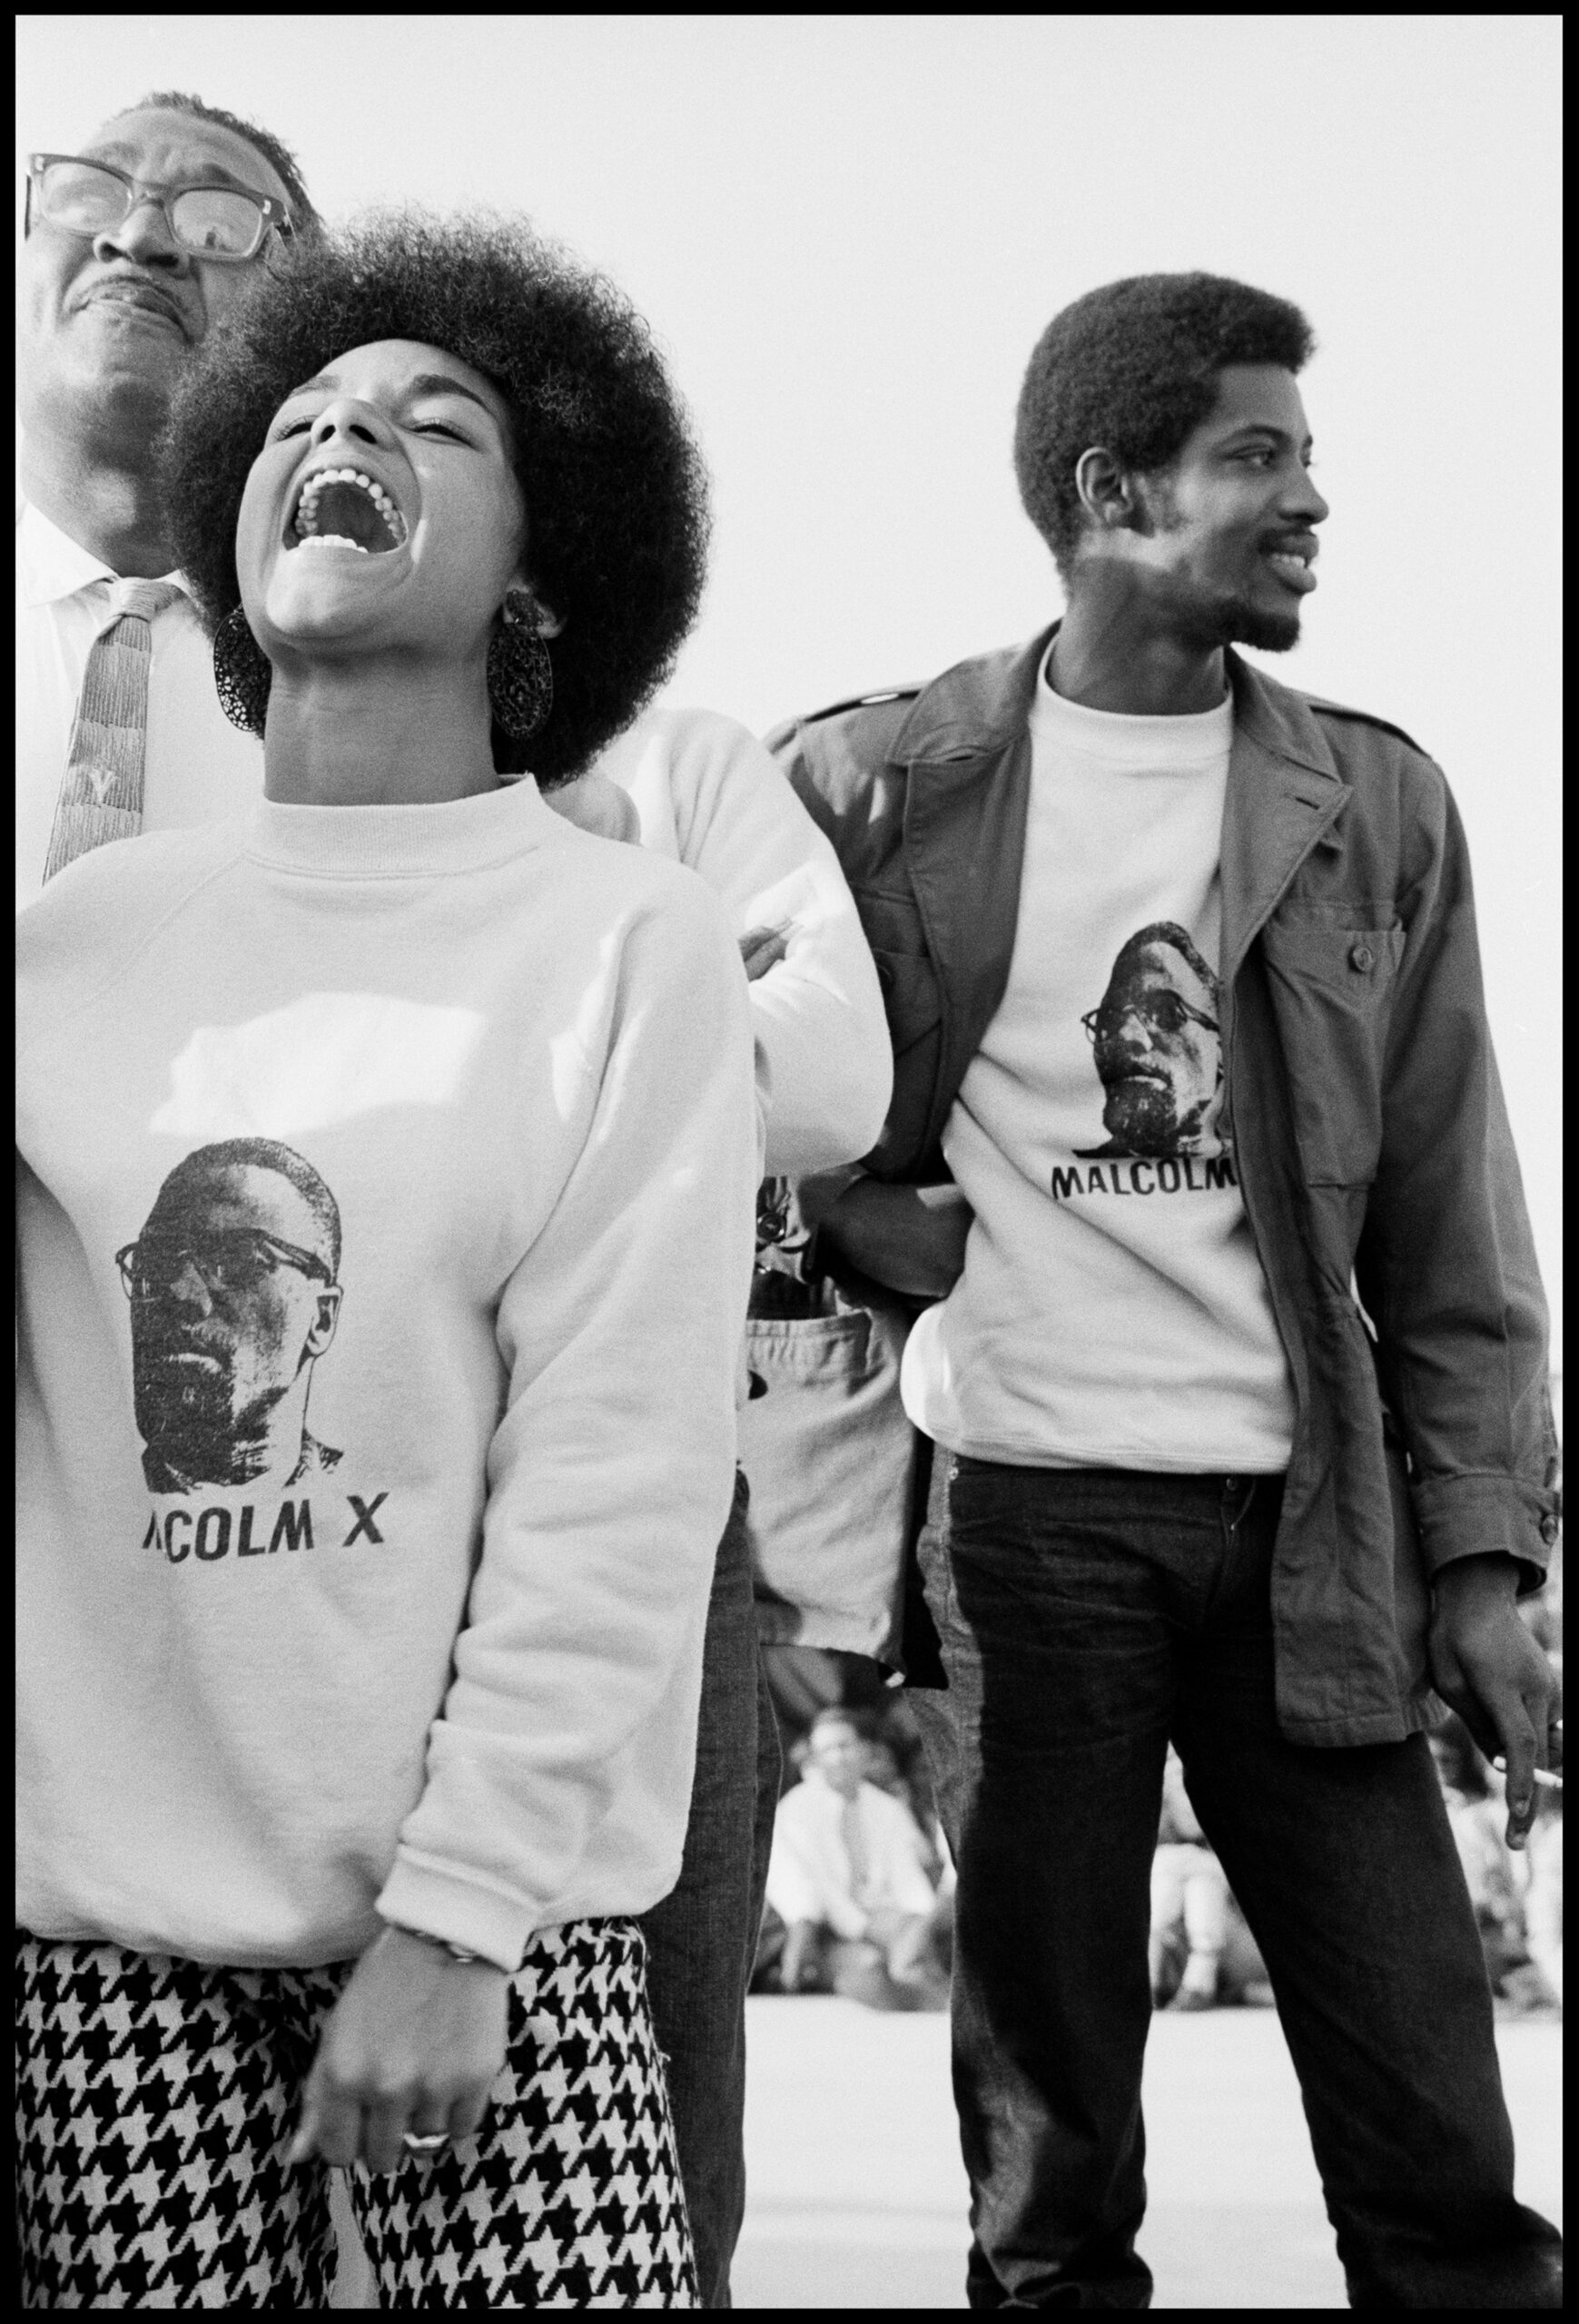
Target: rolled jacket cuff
{"points": [[1483, 1515]]}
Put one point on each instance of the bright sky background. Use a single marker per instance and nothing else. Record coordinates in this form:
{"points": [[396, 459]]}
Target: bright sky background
{"points": [[848, 232]]}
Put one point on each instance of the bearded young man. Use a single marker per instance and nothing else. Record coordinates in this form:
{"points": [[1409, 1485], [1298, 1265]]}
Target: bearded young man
{"points": [[1235, 1354]]}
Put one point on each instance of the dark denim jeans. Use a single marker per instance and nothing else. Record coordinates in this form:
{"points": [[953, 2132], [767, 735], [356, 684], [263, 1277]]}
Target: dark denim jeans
{"points": [[702, 1938], [1086, 1617]]}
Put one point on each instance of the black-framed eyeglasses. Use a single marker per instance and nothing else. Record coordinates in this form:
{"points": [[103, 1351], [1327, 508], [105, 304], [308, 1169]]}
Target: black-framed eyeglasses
{"points": [[223, 222], [1168, 1012], [235, 1258]]}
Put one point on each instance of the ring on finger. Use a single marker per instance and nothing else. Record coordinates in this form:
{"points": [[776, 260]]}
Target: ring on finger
{"points": [[416, 2143]]}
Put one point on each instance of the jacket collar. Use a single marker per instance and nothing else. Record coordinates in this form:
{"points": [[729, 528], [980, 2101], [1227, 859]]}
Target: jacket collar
{"points": [[1284, 785], [1284, 793], [977, 707], [980, 704]]}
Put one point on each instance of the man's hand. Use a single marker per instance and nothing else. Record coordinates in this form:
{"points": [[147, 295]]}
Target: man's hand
{"points": [[911, 1238], [413, 2044], [1486, 1665], [762, 948]]}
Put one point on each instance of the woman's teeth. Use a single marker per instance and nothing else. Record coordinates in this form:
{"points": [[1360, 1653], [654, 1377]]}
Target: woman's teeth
{"points": [[332, 540], [306, 520]]}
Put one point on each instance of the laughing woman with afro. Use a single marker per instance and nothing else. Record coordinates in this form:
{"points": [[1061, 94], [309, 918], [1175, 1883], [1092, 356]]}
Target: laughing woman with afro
{"points": [[386, 1169]]}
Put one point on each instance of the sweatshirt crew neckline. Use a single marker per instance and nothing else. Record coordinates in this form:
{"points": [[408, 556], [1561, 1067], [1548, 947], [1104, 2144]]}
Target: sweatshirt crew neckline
{"points": [[1121, 738], [391, 842]]}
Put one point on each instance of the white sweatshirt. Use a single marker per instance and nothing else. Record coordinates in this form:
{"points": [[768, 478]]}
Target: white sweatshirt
{"points": [[707, 794], [364, 1548]]}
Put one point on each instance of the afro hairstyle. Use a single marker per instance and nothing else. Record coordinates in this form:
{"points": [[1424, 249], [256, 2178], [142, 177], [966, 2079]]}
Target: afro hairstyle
{"points": [[612, 483], [1133, 367], [279, 157]]}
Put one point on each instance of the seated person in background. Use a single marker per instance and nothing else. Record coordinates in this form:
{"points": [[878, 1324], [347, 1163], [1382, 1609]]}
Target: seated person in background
{"points": [[848, 1878], [1189, 1886], [1543, 1894], [1472, 1793]]}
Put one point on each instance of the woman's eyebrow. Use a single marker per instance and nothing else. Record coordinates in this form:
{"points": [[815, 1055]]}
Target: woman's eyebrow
{"points": [[426, 383], [440, 383]]}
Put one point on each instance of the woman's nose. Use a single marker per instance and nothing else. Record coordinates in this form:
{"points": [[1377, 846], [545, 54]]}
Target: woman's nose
{"points": [[348, 418]]}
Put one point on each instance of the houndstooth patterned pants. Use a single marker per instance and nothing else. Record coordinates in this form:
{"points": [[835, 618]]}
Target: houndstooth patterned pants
{"points": [[155, 2098]]}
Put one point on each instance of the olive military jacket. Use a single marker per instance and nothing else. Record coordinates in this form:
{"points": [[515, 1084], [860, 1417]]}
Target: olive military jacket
{"points": [[1360, 1102]]}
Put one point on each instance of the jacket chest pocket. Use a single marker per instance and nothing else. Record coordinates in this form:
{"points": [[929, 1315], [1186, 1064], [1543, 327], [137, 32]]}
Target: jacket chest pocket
{"points": [[1331, 992]]}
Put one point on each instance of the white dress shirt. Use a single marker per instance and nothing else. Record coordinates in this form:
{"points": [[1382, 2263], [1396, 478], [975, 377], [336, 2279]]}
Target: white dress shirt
{"points": [[809, 1873], [198, 768]]}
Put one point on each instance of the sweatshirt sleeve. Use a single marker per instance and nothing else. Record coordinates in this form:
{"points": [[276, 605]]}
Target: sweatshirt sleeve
{"points": [[611, 1472], [824, 1068]]}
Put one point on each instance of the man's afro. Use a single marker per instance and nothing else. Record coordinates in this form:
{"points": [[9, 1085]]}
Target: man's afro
{"points": [[1133, 367], [614, 485]]}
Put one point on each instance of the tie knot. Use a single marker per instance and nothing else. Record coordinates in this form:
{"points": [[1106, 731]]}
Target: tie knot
{"points": [[141, 599]]}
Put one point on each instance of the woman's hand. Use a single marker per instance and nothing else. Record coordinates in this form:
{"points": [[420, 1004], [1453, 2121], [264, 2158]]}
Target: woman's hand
{"points": [[413, 2044]]}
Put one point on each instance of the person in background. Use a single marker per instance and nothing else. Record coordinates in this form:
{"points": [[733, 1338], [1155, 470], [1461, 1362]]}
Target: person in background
{"points": [[1188, 1893], [698, 789], [136, 247], [848, 1878], [1236, 1353], [340, 1793], [1542, 1894], [1496, 1878]]}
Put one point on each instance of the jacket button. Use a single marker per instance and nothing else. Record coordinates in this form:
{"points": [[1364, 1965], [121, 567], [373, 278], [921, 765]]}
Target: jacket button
{"points": [[1363, 959], [1548, 1531]]}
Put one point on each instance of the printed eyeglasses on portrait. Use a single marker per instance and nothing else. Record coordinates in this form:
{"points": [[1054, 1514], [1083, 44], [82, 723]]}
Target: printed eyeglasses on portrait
{"points": [[235, 1260], [1164, 1012]]}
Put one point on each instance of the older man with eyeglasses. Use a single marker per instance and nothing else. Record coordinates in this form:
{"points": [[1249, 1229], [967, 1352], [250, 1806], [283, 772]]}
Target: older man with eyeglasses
{"points": [[135, 246]]}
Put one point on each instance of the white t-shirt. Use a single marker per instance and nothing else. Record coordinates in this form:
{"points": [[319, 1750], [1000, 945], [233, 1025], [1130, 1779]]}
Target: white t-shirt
{"points": [[1112, 1312]]}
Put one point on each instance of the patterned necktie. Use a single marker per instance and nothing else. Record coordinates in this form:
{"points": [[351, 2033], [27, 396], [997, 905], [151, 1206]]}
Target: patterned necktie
{"points": [[100, 795]]}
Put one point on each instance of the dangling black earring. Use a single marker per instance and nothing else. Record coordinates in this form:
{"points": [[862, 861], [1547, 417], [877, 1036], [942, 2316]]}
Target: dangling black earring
{"points": [[520, 676], [241, 673]]}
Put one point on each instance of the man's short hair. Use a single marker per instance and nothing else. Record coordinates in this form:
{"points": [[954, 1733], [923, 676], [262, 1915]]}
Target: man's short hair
{"points": [[279, 157], [260, 1154], [1164, 933], [1133, 367]]}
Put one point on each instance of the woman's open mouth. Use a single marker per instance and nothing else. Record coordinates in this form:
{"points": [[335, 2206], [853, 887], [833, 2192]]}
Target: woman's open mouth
{"points": [[345, 508]]}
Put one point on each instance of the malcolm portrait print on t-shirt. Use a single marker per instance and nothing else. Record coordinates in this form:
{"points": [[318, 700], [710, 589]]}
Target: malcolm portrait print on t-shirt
{"points": [[235, 1292], [1156, 1047]]}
